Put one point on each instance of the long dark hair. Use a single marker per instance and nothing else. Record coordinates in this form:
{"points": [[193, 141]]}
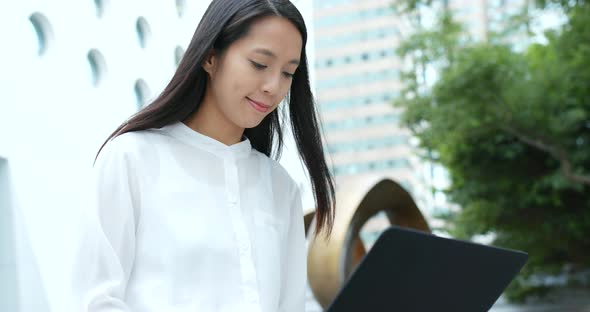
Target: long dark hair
{"points": [[224, 22]]}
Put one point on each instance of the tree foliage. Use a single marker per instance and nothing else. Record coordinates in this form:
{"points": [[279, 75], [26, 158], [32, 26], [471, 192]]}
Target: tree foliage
{"points": [[513, 130]]}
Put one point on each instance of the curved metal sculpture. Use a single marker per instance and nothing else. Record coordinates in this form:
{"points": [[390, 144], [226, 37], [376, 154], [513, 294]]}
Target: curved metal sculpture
{"points": [[330, 262]]}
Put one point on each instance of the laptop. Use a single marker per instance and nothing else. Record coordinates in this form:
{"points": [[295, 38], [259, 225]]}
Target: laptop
{"points": [[412, 271]]}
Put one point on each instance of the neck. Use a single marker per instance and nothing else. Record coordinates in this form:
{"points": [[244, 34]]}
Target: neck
{"points": [[207, 120]]}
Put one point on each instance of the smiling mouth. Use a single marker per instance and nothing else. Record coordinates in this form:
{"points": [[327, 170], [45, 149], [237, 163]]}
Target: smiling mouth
{"points": [[258, 106]]}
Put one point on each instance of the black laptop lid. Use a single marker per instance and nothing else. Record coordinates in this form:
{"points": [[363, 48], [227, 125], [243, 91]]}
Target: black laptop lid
{"points": [[408, 270]]}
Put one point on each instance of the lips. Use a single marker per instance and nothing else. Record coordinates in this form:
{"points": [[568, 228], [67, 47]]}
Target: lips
{"points": [[261, 107]]}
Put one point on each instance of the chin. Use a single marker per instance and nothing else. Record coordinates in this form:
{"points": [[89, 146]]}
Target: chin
{"points": [[251, 123], [249, 119]]}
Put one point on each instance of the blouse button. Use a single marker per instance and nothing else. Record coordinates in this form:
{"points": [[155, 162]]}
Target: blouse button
{"points": [[251, 297], [232, 199], [243, 249]]}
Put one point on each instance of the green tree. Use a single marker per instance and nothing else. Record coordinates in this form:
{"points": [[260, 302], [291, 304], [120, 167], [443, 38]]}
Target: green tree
{"points": [[513, 130]]}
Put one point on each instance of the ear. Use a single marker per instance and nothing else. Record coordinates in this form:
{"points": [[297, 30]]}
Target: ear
{"points": [[210, 62]]}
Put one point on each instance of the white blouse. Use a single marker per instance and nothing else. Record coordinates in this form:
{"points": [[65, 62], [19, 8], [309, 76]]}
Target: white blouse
{"points": [[183, 222]]}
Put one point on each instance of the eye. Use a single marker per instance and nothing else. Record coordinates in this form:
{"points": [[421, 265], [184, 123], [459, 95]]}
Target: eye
{"points": [[288, 75], [258, 65]]}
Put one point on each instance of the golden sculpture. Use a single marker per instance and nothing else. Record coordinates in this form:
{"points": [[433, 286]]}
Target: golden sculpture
{"points": [[330, 262]]}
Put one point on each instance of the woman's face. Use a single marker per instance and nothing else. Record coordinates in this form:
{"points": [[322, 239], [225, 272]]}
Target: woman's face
{"points": [[250, 79]]}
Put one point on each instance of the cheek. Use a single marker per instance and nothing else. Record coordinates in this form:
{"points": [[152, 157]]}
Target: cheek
{"points": [[230, 79], [238, 82], [285, 90]]}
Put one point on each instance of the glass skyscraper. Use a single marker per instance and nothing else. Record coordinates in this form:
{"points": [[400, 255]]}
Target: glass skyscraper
{"points": [[357, 79]]}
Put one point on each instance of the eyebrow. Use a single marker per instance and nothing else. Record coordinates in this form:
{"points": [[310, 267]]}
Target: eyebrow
{"points": [[270, 54]]}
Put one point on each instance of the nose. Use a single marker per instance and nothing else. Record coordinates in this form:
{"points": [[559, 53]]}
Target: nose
{"points": [[272, 83]]}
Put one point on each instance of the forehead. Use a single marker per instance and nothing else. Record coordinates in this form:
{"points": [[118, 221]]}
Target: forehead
{"points": [[273, 33]]}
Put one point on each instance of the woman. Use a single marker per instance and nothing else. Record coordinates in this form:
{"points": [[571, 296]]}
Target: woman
{"points": [[192, 214]]}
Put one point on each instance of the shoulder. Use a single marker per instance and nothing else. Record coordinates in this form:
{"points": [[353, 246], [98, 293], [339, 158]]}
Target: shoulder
{"points": [[279, 175], [130, 146]]}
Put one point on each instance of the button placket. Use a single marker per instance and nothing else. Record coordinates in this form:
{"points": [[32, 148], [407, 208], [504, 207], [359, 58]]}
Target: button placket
{"points": [[241, 233], [252, 297], [233, 201]]}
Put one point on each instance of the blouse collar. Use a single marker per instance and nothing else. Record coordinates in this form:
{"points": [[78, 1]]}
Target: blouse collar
{"points": [[189, 136]]}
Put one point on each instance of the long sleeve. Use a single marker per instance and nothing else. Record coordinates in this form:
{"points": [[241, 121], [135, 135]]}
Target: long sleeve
{"points": [[181, 222], [294, 269], [106, 251]]}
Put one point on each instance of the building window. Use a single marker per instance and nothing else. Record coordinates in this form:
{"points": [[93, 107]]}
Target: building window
{"points": [[178, 54], [180, 7], [142, 93], [143, 32], [354, 101], [100, 5], [367, 144], [377, 165], [43, 31], [98, 66]]}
